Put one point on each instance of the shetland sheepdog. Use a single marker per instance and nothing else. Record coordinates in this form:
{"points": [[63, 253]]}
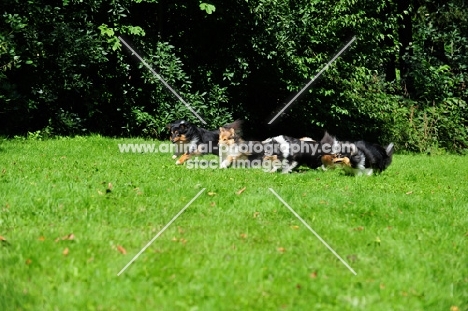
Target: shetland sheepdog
{"points": [[289, 152], [235, 150], [191, 139], [360, 157]]}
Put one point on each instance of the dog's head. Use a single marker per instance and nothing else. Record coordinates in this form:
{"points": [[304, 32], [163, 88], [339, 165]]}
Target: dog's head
{"points": [[230, 133], [328, 160], [270, 157], [179, 130], [342, 160], [227, 136]]}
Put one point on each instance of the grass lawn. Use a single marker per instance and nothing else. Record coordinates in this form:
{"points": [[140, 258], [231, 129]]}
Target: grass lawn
{"points": [[74, 212]]}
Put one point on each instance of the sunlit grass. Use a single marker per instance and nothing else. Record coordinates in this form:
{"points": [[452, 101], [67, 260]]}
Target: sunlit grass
{"points": [[74, 212]]}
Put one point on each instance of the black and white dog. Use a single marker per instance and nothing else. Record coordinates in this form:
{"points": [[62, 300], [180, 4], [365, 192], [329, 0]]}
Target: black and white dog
{"points": [[288, 153]]}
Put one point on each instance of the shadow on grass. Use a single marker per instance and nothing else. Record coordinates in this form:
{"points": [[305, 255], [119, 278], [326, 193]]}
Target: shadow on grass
{"points": [[13, 298]]}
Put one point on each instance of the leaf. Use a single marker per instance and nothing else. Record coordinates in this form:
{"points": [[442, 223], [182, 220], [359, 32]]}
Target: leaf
{"points": [[121, 249], [65, 251], [313, 275], [294, 227], [28, 261], [4, 241], [241, 190], [208, 8], [409, 192], [109, 188], [211, 193], [69, 237], [256, 214], [281, 249]]}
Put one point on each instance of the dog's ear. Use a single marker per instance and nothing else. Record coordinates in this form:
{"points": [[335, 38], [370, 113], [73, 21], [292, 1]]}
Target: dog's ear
{"points": [[182, 126], [169, 126], [233, 131]]}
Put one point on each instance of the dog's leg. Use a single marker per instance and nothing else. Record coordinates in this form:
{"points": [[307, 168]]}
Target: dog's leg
{"points": [[227, 162], [183, 158], [277, 163], [178, 148], [290, 167]]}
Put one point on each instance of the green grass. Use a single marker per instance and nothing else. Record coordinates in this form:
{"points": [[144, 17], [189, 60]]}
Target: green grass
{"points": [[404, 232]]}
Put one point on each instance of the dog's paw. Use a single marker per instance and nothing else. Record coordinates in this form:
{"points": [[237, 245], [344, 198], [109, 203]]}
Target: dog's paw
{"points": [[178, 162], [224, 164], [174, 156]]}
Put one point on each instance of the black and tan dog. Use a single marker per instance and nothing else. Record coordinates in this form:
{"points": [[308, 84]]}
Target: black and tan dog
{"points": [[190, 140]]}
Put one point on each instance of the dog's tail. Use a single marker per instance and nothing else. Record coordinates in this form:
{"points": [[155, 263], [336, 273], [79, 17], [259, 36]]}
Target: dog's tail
{"points": [[336, 146], [236, 125], [389, 149], [389, 152], [328, 139]]}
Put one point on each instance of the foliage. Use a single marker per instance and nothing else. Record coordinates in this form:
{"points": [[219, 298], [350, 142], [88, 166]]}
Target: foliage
{"points": [[437, 111], [65, 71]]}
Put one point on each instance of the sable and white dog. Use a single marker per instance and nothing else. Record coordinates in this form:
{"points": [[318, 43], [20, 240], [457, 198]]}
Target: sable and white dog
{"points": [[233, 149]]}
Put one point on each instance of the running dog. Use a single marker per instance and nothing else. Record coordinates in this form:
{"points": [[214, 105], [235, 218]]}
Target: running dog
{"points": [[361, 157], [288, 153], [233, 149], [191, 139]]}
